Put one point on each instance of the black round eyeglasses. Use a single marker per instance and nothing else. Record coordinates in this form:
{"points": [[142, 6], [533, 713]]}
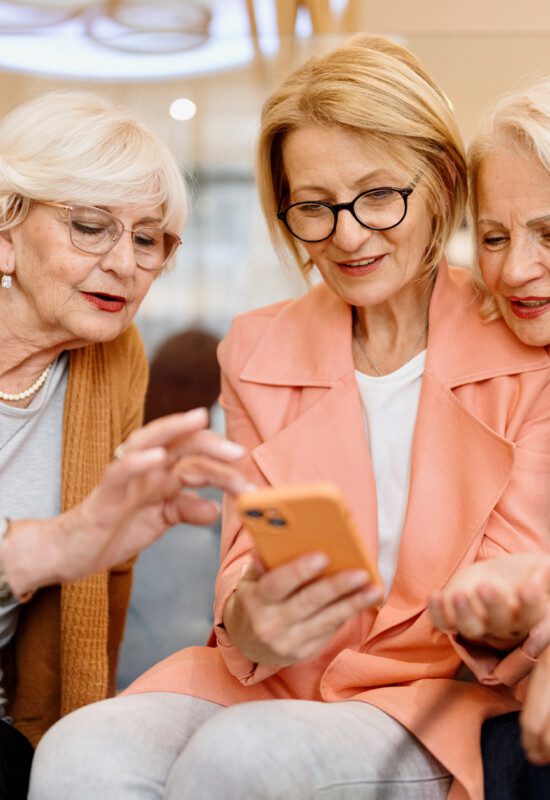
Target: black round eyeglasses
{"points": [[377, 209]]}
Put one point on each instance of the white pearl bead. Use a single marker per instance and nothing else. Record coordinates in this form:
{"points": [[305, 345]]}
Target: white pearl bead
{"points": [[30, 391]]}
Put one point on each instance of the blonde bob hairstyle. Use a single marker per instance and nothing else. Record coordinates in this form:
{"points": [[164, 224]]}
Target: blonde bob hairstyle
{"points": [[378, 89], [520, 122], [78, 147]]}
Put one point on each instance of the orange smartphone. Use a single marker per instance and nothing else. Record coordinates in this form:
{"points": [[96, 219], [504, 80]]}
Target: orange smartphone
{"points": [[289, 521]]}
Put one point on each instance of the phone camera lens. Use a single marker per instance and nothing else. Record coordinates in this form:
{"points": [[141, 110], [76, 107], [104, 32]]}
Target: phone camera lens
{"points": [[254, 513], [277, 521]]}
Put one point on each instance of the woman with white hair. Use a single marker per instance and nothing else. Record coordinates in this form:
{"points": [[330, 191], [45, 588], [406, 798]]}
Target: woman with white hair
{"points": [[509, 164], [91, 206]]}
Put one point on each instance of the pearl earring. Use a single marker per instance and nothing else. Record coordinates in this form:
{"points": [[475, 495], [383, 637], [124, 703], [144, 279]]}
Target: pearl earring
{"points": [[6, 282]]}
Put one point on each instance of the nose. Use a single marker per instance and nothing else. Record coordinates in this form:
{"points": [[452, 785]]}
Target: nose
{"points": [[121, 258], [349, 234], [522, 263]]}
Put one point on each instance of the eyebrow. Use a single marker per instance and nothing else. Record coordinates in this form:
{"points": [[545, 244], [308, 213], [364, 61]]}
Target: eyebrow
{"points": [[538, 220], [530, 224], [142, 221], [149, 219], [355, 185]]}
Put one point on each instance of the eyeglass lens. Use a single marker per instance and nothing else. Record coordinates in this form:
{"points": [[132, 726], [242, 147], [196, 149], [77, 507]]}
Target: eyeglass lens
{"points": [[93, 230], [378, 209]]}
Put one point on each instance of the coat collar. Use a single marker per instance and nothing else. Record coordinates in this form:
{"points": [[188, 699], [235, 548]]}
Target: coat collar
{"points": [[308, 342]]}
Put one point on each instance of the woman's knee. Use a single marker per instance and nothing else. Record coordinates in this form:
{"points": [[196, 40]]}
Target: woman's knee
{"points": [[119, 748], [251, 745], [77, 747]]}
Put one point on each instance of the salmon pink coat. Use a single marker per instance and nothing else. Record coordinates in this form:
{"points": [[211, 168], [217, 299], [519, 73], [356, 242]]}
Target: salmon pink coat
{"points": [[480, 487]]}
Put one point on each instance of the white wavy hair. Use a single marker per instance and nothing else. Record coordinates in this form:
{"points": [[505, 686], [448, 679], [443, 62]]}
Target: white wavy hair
{"points": [[520, 121], [79, 147]]}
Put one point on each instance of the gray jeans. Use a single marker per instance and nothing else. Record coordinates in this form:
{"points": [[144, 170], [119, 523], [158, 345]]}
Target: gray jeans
{"points": [[169, 746]]}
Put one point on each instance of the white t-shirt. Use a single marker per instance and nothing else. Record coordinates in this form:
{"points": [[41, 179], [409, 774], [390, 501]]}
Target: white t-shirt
{"points": [[390, 406]]}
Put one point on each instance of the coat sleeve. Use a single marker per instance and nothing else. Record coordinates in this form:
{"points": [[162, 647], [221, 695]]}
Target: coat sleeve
{"points": [[520, 522], [236, 545]]}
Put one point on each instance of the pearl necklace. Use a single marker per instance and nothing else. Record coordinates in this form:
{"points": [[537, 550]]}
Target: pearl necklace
{"points": [[369, 359], [38, 384]]}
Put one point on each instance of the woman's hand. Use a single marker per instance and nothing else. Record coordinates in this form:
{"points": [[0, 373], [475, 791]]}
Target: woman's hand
{"points": [[290, 613], [497, 601], [140, 496], [535, 716]]}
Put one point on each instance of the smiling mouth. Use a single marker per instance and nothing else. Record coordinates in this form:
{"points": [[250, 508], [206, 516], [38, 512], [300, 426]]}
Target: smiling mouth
{"points": [[359, 262], [517, 301], [529, 307]]}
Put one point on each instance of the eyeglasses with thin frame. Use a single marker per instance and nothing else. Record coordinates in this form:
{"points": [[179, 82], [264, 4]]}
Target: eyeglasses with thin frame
{"points": [[378, 209], [96, 231]]}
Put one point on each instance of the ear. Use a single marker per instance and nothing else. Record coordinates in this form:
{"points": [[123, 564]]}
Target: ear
{"points": [[7, 253]]}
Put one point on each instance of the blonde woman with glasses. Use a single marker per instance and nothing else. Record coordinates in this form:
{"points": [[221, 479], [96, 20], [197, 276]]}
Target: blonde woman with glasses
{"points": [[509, 598], [91, 207], [383, 379]]}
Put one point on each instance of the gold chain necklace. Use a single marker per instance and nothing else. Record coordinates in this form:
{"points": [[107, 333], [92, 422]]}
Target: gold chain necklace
{"points": [[39, 382], [369, 359]]}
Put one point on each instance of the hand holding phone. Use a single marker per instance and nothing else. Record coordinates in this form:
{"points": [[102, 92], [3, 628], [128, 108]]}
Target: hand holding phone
{"points": [[289, 521], [289, 612]]}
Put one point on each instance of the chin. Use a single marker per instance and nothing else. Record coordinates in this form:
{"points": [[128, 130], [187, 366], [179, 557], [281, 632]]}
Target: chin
{"points": [[105, 331], [533, 335]]}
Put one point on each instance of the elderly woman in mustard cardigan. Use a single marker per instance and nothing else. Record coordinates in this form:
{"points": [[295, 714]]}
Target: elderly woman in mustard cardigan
{"points": [[91, 206]]}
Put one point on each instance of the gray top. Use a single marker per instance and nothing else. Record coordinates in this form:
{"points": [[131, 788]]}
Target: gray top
{"points": [[30, 468]]}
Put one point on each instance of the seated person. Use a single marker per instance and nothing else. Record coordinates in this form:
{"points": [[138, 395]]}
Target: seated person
{"points": [[385, 380], [510, 171], [92, 203]]}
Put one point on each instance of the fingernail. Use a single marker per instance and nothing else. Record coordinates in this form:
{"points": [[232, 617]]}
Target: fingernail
{"points": [[374, 596], [357, 578], [318, 561], [250, 487], [197, 415], [153, 454], [192, 480], [232, 449]]}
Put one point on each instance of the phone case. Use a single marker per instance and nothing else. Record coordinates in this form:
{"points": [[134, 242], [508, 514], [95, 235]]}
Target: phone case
{"points": [[289, 521]]}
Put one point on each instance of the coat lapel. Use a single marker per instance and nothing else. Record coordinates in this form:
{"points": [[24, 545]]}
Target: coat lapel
{"points": [[327, 443], [307, 345]]}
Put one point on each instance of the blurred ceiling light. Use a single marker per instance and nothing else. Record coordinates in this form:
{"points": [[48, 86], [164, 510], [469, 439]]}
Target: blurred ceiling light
{"points": [[23, 17], [149, 26], [126, 40], [183, 109]]}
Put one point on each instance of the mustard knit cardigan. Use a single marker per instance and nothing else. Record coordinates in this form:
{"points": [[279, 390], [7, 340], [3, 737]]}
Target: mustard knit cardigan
{"points": [[65, 650]]}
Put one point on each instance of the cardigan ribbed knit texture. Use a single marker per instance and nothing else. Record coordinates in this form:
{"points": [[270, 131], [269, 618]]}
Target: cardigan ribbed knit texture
{"points": [[67, 640]]}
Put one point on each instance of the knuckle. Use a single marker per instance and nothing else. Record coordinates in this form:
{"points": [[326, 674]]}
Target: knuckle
{"points": [[265, 631]]}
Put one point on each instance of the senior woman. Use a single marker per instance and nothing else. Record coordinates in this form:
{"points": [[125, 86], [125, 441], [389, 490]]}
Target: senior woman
{"points": [[510, 171], [383, 379], [91, 205]]}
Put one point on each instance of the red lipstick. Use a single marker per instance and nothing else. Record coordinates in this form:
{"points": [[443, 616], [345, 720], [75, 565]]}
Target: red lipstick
{"points": [[105, 302], [529, 307]]}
